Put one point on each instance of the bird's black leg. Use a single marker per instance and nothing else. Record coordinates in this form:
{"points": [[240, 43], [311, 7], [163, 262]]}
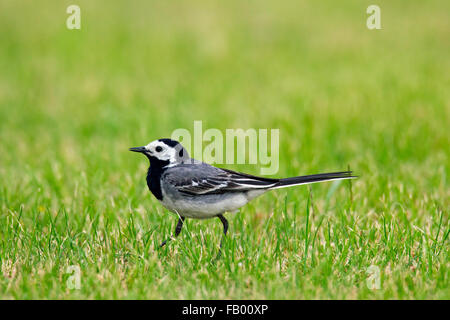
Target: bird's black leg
{"points": [[225, 229], [177, 231], [225, 224]]}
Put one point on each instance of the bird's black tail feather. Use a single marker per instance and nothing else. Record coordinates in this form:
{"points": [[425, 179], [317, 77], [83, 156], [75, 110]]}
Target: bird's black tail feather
{"points": [[294, 181]]}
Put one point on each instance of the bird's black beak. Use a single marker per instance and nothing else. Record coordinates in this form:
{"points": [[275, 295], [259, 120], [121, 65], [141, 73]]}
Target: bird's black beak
{"points": [[138, 149]]}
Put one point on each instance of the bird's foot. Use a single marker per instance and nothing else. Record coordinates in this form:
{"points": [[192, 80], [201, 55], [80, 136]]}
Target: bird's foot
{"points": [[164, 242]]}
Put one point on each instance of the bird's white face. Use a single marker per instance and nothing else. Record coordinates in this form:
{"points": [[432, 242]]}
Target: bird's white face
{"points": [[162, 151], [165, 151]]}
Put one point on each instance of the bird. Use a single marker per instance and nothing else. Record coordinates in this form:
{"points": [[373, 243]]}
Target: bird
{"points": [[196, 190]]}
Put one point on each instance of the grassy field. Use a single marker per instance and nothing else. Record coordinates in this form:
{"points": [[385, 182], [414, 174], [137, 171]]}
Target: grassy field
{"points": [[73, 101]]}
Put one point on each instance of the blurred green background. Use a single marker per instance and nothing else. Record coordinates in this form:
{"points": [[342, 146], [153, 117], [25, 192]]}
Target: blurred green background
{"points": [[73, 101]]}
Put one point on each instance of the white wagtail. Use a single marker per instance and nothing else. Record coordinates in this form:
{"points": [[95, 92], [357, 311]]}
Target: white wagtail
{"points": [[197, 190]]}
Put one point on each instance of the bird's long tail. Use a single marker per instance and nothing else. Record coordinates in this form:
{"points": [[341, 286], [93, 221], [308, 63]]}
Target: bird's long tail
{"points": [[295, 181]]}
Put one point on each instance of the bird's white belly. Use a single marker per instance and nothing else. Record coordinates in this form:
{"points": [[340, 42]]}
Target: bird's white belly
{"points": [[205, 206]]}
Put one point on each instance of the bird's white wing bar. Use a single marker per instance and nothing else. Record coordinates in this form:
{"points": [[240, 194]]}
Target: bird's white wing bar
{"points": [[218, 185]]}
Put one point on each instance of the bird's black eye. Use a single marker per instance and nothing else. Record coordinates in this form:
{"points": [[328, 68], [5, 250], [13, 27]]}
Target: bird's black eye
{"points": [[158, 149]]}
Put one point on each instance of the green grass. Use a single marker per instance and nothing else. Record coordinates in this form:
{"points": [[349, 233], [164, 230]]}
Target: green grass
{"points": [[72, 102]]}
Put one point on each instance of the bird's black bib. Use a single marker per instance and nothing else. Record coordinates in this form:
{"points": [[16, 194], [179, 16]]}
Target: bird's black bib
{"points": [[154, 173]]}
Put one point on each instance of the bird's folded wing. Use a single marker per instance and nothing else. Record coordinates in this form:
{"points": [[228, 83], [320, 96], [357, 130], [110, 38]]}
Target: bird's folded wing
{"points": [[204, 179]]}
